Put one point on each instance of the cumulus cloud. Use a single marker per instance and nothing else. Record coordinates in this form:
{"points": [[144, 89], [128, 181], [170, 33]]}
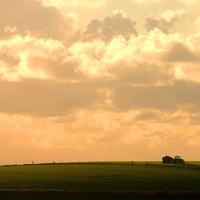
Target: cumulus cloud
{"points": [[184, 56], [126, 59], [116, 24], [180, 53], [29, 17], [19, 57], [187, 72], [164, 20]]}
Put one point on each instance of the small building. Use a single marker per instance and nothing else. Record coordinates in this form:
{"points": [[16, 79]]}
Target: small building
{"points": [[167, 159]]}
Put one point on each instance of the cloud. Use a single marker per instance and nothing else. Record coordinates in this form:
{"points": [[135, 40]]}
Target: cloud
{"points": [[116, 24], [144, 116], [74, 3], [187, 72], [180, 53], [84, 128], [165, 98], [164, 20], [62, 4], [29, 17], [197, 24], [192, 42], [119, 81], [42, 98], [19, 57], [46, 98], [184, 56], [126, 59], [171, 16]]}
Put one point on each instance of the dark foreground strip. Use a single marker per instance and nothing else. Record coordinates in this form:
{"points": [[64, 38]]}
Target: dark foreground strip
{"points": [[164, 193]]}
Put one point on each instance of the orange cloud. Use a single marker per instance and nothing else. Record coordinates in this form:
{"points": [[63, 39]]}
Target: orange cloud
{"points": [[164, 20], [74, 3], [25, 50]]}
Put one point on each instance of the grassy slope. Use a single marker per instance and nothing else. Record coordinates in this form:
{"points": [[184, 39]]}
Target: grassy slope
{"points": [[107, 176]]}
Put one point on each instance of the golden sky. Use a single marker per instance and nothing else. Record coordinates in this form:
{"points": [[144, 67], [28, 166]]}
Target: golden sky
{"points": [[99, 80]]}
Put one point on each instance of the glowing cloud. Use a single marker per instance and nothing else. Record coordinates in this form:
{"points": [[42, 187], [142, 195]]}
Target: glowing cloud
{"points": [[20, 55], [164, 20], [74, 3], [116, 24]]}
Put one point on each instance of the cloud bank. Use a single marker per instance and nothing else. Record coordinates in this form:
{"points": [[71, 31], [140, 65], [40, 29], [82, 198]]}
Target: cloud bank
{"points": [[101, 90]]}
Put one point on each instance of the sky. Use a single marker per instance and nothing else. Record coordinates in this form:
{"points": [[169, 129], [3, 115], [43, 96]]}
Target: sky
{"points": [[99, 80]]}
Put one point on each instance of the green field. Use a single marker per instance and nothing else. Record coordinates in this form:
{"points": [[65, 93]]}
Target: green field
{"points": [[111, 177]]}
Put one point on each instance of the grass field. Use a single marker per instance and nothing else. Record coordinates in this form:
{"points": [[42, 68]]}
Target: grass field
{"points": [[113, 177]]}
